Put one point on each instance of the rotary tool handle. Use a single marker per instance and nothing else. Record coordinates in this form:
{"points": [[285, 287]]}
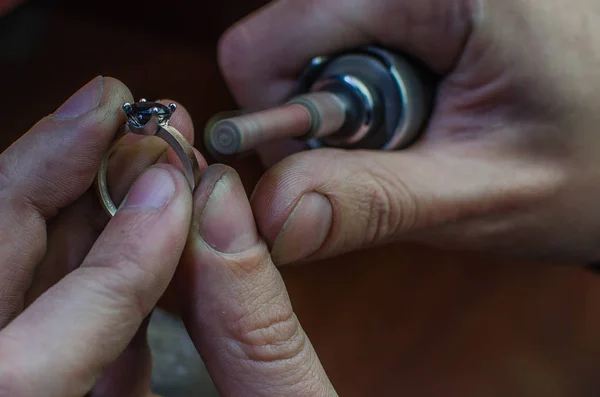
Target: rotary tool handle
{"points": [[368, 98], [389, 97]]}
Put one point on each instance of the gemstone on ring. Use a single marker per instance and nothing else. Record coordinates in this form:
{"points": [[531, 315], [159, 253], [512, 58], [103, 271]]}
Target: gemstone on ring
{"points": [[140, 113]]}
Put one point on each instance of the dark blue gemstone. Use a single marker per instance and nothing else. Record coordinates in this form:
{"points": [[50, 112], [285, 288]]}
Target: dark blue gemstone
{"points": [[141, 112]]}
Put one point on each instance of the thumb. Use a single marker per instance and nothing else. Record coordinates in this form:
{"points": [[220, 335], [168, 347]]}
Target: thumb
{"points": [[328, 202], [235, 303]]}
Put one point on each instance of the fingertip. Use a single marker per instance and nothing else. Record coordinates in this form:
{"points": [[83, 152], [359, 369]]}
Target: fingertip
{"points": [[210, 176], [157, 187], [115, 94], [305, 230], [158, 205], [108, 116], [250, 79], [282, 186], [60, 155], [182, 186], [230, 53]]}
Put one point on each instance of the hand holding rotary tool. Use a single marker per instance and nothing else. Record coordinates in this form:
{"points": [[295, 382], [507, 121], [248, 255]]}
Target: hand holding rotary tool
{"points": [[368, 98], [424, 125]]}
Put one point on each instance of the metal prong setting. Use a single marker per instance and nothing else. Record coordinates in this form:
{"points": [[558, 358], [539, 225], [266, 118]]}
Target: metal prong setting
{"points": [[147, 125], [127, 108]]}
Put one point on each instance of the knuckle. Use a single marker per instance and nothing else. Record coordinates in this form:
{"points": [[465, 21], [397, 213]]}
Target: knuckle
{"points": [[264, 328], [275, 346], [276, 339], [254, 261], [269, 332], [387, 203]]}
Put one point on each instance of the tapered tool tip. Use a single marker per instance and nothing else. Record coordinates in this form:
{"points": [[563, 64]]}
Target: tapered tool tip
{"points": [[225, 137]]}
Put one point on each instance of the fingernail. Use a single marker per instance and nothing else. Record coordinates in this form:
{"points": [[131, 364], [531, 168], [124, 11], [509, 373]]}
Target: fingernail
{"points": [[305, 230], [152, 191], [227, 223], [83, 101]]}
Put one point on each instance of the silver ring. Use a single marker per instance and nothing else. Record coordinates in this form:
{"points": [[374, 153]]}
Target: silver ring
{"points": [[150, 119]]}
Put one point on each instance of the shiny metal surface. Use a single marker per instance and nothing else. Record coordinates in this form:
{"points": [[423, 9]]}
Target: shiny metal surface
{"points": [[400, 104], [361, 111], [413, 96], [367, 98]]}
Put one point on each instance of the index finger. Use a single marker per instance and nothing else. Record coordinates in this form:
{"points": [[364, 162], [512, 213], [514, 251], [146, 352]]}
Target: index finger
{"points": [[263, 55], [235, 303]]}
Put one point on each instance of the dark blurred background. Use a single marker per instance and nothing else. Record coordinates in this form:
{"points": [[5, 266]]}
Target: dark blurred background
{"points": [[160, 49], [398, 320]]}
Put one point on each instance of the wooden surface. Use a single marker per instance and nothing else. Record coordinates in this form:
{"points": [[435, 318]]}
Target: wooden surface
{"points": [[401, 320]]}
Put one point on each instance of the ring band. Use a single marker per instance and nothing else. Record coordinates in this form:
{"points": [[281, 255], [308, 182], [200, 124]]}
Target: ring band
{"points": [[151, 119]]}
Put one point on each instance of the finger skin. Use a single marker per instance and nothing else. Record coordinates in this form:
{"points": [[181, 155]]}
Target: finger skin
{"points": [[56, 161], [131, 374], [235, 305], [378, 198], [60, 345], [44, 171]]}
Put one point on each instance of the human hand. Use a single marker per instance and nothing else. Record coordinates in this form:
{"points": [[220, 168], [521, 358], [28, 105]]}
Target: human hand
{"points": [[507, 164], [76, 288], [234, 302]]}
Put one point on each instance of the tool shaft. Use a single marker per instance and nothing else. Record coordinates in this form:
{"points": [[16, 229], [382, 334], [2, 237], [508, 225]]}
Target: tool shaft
{"points": [[316, 114]]}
